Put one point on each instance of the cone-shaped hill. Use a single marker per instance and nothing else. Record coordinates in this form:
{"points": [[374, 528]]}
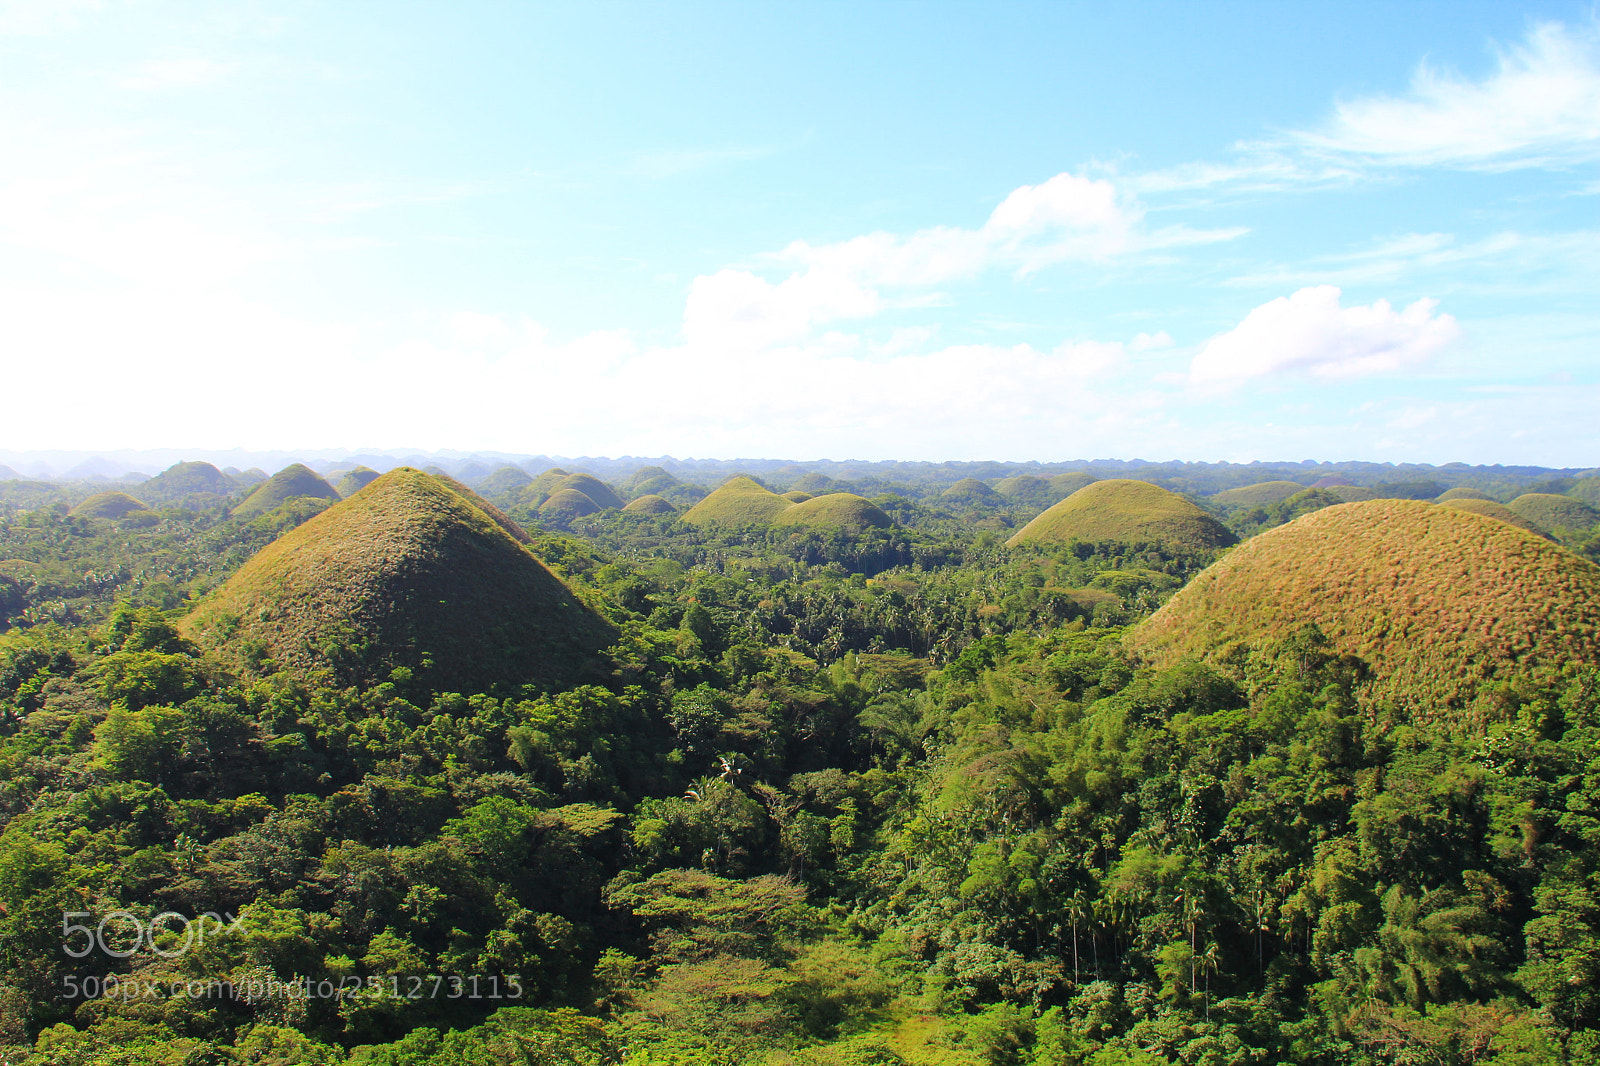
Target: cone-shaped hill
{"points": [[590, 486], [1259, 495], [969, 490], [566, 504], [405, 572], [107, 505], [1434, 599], [355, 480], [836, 510], [650, 503], [1065, 485], [739, 501], [1129, 512], [1490, 509], [186, 479], [1561, 515], [1022, 486], [504, 480], [293, 480]]}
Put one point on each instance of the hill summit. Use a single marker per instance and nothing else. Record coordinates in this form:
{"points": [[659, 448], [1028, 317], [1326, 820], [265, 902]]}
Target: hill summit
{"points": [[1434, 599], [1129, 512], [293, 480], [407, 572]]}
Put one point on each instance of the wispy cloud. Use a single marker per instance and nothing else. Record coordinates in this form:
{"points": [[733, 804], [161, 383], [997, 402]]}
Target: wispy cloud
{"points": [[1311, 333], [1541, 106]]}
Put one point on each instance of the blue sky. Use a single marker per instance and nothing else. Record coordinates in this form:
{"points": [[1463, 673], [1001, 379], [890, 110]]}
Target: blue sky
{"points": [[891, 230]]}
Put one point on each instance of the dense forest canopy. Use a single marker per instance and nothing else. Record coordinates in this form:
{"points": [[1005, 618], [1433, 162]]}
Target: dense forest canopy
{"points": [[367, 762]]}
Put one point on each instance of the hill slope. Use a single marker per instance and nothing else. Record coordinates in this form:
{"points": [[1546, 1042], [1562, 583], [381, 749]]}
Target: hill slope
{"points": [[185, 479], [1434, 599], [1131, 512], [836, 510], [1561, 515], [739, 501], [1490, 509], [405, 571], [293, 480], [107, 505], [1259, 495]]}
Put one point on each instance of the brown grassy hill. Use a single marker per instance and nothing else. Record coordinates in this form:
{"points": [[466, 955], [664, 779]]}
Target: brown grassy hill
{"points": [[406, 571], [1130, 512], [969, 490], [1259, 495], [567, 504], [1065, 485], [185, 479], [650, 504], [107, 505], [355, 480], [1561, 515], [590, 486], [294, 480], [1499, 511], [739, 501], [1461, 492], [836, 510], [1434, 599], [497, 516]]}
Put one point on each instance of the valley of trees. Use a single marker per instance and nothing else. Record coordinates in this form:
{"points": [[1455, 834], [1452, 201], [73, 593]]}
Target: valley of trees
{"points": [[830, 790]]}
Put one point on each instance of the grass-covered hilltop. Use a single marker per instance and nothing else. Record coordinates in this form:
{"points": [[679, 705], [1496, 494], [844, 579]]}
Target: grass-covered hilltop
{"points": [[490, 760]]}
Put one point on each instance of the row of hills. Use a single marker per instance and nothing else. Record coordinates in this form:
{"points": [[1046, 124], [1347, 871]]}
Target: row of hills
{"points": [[415, 566]]}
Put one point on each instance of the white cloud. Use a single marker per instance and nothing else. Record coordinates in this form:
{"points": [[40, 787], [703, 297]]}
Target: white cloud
{"points": [[1310, 332], [1541, 105], [1065, 219]]}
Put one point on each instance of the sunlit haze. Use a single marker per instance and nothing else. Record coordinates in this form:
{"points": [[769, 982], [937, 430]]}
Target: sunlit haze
{"points": [[919, 231]]}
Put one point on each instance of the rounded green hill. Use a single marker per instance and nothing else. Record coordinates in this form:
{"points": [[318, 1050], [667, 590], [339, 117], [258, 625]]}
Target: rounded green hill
{"points": [[1461, 492], [107, 505], [739, 501], [650, 504], [1064, 485], [1435, 599], [1499, 511], [186, 479], [836, 510], [405, 573], [1128, 512], [969, 490], [1561, 515], [1022, 486], [590, 486], [567, 504], [796, 496], [294, 480], [504, 480], [355, 480], [1259, 495]]}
